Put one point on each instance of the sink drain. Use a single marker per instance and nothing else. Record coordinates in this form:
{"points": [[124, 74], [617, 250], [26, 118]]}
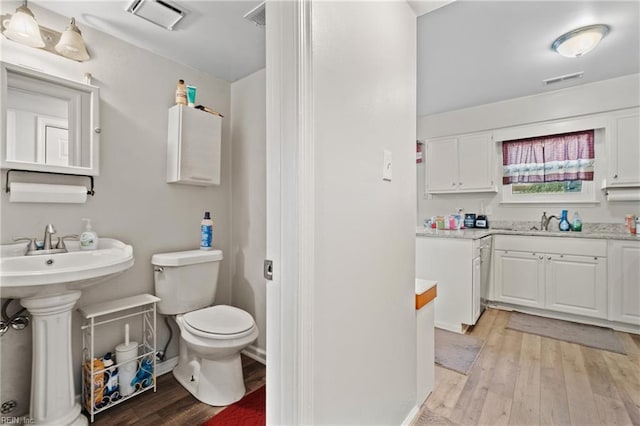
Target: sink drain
{"points": [[8, 406]]}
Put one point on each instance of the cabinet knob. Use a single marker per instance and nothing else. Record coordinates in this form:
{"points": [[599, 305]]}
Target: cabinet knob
{"points": [[561, 256], [460, 183], [595, 258], [453, 183], [540, 257], [97, 130], [615, 176], [549, 258]]}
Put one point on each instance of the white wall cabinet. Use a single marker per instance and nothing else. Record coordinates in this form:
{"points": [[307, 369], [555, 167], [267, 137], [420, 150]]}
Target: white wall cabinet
{"points": [[456, 265], [464, 163], [193, 148], [563, 275], [624, 150], [624, 281]]}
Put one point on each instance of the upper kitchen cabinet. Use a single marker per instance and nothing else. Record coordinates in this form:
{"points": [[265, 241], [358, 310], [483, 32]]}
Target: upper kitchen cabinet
{"points": [[194, 143], [462, 163], [624, 150]]}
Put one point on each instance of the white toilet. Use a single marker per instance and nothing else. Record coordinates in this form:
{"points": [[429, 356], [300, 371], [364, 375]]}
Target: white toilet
{"points": [[211, 337]]}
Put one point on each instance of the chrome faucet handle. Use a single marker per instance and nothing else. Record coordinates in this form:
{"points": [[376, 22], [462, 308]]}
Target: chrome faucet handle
{"points": [[60, 243], [48, 231], [32, 243]]}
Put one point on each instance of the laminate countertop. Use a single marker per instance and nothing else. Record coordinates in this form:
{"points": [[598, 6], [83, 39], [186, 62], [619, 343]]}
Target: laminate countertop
{"points": [[594, 231]]}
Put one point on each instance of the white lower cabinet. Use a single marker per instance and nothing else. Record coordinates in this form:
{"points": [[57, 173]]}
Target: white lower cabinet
{"points": [[456, 265], [576, 284], [560, 274], [519, 278], [624, 281]]}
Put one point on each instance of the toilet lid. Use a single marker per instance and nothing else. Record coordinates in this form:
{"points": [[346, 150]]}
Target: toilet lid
{"points": [[221, 319]]}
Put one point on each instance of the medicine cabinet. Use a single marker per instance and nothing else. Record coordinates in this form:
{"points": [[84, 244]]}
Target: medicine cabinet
{"points": [[194, 142], [48, 124]]}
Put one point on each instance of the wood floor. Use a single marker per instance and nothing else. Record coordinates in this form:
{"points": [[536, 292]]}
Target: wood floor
{"points": [[518, 379], [522, 379], [171, 404]]}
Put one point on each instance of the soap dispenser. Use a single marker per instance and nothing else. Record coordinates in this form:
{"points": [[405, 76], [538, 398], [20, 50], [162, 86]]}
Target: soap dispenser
{"points": [[88, 238]]}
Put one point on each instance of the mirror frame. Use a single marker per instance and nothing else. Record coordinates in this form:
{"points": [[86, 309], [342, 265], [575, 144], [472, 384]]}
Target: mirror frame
{"points": [[79, 115]]}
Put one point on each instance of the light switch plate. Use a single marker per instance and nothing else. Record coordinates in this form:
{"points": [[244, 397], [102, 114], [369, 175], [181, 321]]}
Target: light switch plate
{"points": [[387, 166]]}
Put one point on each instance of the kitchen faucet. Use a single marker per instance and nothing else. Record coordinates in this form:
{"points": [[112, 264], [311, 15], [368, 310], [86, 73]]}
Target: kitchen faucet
{"points": [[544, 221]]}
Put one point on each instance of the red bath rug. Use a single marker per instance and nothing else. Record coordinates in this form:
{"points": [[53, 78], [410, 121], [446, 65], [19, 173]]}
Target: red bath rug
{"points": [[249, 411]]}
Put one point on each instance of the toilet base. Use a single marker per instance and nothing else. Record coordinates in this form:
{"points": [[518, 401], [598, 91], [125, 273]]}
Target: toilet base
{"points": [[214, 382]]}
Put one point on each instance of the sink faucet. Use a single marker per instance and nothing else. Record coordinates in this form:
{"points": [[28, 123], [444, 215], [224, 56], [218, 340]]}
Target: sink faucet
{"points": [[48, 231], [33, 248], [544, 221]]}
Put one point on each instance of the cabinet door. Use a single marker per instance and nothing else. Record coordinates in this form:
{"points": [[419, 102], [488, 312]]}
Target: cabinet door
{"points": [[576, 285], [441, 165], [624, 281], [519, 278], [624, 153], [475, 293], [194, 143], [476, 163]]}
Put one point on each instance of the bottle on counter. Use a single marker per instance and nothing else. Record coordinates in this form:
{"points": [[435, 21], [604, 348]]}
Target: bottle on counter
{"points": [[564, 222], [181, 93], [576, 224]]}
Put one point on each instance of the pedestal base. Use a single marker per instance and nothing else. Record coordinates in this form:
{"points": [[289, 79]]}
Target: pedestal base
{"points": [[52, 390]]}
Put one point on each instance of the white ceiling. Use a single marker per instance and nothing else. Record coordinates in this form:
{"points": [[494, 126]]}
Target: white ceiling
{"points": [[213, 37], [476, 52], [469, 52]]}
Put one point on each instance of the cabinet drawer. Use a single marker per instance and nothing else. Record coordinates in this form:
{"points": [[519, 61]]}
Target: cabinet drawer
{"points": [[558, 245]]}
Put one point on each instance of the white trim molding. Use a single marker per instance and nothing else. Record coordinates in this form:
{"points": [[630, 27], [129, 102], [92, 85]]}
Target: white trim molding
{"points": [[290, 212]]}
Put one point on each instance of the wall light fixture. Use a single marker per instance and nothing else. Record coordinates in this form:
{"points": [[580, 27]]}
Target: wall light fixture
{"points": [[23, 28]]}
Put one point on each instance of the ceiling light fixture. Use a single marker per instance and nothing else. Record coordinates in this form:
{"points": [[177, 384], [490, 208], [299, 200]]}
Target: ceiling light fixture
{"points": [[580, 41], [23, 28]]}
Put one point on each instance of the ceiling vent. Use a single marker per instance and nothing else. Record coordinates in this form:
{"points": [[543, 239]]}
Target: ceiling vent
{"points": [[257, 15], [159, 12], [560, 78]]}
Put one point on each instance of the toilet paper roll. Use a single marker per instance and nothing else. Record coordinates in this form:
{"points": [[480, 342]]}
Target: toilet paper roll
{"points": [[21, 192], [126, 355]]}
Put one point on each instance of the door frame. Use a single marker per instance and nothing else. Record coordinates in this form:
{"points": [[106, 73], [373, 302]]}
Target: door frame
{"points": [[290, 212]]}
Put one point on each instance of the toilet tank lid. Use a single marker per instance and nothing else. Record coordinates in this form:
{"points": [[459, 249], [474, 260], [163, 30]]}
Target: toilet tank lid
{"points": [[182, 258]]}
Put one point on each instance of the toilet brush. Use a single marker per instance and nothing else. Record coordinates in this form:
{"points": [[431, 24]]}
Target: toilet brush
{"points": [[126, 354]]}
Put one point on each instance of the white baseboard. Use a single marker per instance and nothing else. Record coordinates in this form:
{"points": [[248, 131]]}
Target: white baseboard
{"points": [[166, 366], [415, 411], [256, 353]]}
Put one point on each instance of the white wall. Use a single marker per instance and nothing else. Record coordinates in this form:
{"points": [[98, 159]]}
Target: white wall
{"points": [[364, 101], [602, 96], [133, 202], [248, 141]]}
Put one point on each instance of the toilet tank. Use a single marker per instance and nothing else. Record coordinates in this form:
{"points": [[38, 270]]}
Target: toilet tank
{"points": [[185, 280]]}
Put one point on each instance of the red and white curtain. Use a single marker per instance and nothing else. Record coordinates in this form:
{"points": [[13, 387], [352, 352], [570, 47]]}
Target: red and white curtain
{"points": [[556, 158]]}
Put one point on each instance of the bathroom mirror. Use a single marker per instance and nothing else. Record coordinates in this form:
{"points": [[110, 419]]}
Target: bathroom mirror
{"points": [[48, 123]]}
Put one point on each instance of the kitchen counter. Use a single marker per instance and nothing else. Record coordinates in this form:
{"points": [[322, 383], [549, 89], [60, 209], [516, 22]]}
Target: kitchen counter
{"points": [[595, 231]]}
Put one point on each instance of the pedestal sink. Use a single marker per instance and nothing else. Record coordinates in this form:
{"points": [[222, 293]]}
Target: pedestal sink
{"points": [[49, 286]]}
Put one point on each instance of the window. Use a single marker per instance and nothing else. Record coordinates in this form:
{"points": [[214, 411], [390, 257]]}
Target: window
{"points": [[556, 168]]}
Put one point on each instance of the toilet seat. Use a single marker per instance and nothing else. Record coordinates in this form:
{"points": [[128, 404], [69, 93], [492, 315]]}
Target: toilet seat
{"points": [[219, 322]]}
